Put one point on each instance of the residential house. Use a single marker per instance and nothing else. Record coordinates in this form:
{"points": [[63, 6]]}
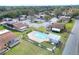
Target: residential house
{"points": [[22, 17], [65, 19], [57, 27], [53, 20], [7, 19], [7, 40], [17, 26], [29, 17], [4, 20]]}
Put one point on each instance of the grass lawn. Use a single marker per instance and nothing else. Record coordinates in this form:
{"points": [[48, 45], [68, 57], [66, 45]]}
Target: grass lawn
{"points": [[17, 33], [2, 27], [47, 44], [39, 22], [42, 29], [27, 48]]}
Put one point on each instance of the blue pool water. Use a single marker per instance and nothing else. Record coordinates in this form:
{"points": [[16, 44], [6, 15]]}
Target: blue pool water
{"points": [[40, 35]]}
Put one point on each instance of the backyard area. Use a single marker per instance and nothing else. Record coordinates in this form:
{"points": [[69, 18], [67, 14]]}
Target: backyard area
{"points": [[27, 48]]}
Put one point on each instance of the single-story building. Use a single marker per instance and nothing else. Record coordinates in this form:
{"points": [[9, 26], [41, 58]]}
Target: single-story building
{"points": [[57, 27], [53, 20], [17, 26], [43, 37], [7, 39], [7, 19], [29, 17], [54, 38], [65, 18], [22, 17], [39, 20]]}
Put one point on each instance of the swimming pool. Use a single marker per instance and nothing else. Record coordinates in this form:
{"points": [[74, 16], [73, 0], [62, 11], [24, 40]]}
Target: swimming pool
{"points": [[40, 35]]}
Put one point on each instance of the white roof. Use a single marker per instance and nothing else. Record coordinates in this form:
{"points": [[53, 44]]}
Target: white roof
{"points": [[56, 29], [11, 22], [3, 31], [64, 17], [6, 18], [54, 38], [23, 27], [53, 20], [23, 15]]}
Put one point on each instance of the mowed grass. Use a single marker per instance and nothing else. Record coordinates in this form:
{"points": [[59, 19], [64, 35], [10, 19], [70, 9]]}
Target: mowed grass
{"points": [[2, 27], [27, 48], [17, 33]]}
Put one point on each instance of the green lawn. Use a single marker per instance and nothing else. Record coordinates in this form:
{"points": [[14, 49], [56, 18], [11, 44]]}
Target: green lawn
{"points": [[2, 27], [17, 33], [27, 48], [42, 29], [39, 22]]}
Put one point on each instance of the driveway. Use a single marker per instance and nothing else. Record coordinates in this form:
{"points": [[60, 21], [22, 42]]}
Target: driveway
{"points": [[72, 45]]}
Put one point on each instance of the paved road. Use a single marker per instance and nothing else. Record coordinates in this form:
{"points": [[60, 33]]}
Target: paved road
{"points": [[72, 45]]}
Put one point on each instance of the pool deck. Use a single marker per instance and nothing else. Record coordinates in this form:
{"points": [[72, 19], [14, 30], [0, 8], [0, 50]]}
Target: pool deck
{"points": [[32, 37]]}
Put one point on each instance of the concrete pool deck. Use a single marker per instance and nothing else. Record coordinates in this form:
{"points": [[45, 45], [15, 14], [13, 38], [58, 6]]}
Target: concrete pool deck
{"points": [[41, 37], [34, 36]]}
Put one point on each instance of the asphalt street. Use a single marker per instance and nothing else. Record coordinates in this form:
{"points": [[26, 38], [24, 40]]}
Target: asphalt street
{"points": [[72, 44]]}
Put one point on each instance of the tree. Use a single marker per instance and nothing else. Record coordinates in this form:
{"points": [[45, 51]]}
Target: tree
{"points": [[47, 17]]}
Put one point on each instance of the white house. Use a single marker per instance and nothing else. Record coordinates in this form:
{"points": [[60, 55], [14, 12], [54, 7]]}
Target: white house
{"points": [[53, 20]]}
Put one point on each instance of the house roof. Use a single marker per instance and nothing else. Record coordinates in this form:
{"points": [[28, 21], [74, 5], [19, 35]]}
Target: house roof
{"points": [[5, 37], [19, 25], [7, 19], [53, 20], [57, 25], [64, 17], [54, 38], [23, 16]]}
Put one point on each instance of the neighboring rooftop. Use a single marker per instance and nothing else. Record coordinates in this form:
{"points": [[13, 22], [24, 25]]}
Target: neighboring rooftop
{"points": [[58, 25], [53, 20], [5, 37]]}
